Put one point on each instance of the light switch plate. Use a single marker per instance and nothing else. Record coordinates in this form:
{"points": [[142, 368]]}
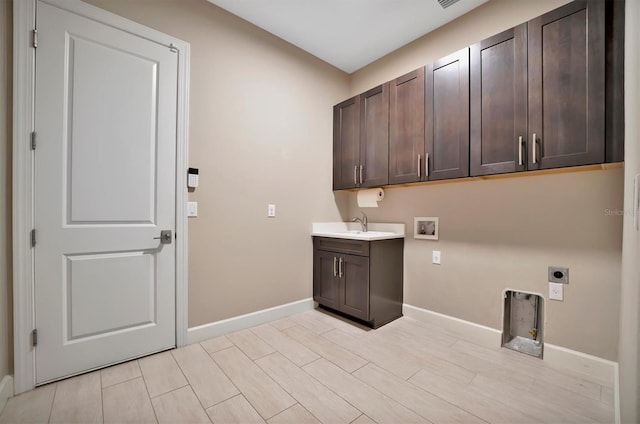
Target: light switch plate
{"points": [[192, 209], [556, 291], [271, 210], [436, 257]]}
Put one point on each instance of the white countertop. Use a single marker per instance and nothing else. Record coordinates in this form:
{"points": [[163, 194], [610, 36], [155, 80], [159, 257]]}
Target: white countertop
{"points": [[353, 230]]}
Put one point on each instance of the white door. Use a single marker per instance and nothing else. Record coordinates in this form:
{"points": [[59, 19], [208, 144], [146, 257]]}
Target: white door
{"points": [[105, 181]]}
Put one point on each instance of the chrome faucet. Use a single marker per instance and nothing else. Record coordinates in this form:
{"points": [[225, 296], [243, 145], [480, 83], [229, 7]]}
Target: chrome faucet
{"points": [[363, 222]]}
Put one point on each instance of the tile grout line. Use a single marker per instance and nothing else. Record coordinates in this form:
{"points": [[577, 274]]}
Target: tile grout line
{"points": [[148, 394], [101, 396], [55, 393]]}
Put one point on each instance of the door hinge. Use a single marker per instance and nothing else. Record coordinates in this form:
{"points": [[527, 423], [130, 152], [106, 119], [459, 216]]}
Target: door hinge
{"points": [[34, 337], [33, 140], [35, 38], [33, 238]]}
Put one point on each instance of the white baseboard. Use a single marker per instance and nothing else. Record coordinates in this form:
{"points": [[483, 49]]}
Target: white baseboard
{"points": [[479, 334], [219, 328], [593, 366], [6, 391], [555, 356]]}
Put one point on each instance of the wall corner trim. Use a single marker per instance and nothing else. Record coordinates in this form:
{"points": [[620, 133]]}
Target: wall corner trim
{"points": [[555, 356], [240, 322], [6, 391]]}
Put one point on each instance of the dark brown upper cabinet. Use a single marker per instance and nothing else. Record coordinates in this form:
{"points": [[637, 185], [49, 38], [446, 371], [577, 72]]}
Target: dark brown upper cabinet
{"points": [[406, 128], [499, 103], [361, 140], [566, 70], [447, 118], [374, 137], [346, 144]]}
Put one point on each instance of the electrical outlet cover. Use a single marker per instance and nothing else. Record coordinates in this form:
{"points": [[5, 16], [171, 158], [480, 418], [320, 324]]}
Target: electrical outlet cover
{"points": [[556, 291], [436, 257]]}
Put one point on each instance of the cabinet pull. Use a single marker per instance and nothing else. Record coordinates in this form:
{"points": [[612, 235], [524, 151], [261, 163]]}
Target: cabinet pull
{"points": [[636, 201], [520, 151], [534, 153], [355, 175], [426, 166], [335, 262], [419, 165], [340, 268], [361, 181]]}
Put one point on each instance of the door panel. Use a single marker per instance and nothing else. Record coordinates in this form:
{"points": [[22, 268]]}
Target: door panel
{"points": [[104, 188], [499, 103], [98, 285], [355, 286], [566, 86], [346, 143], [447, 117], [406, 128], [95, 144], [374, 137], [325, 281]]}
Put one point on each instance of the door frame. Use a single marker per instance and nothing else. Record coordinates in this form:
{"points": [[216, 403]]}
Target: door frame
{"points": [[24, 17]]}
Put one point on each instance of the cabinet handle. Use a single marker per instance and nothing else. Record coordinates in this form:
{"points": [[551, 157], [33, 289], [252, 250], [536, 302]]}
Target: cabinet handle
{"points": [[520, 151], [335, 261], [340, 268], [534, 153], [355, 175], [426, 166], [419, 166], [361, 174], [636, 201]]}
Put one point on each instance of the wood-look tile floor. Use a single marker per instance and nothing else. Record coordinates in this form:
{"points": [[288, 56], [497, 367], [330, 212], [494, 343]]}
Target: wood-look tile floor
{"points": [[316, 368]]}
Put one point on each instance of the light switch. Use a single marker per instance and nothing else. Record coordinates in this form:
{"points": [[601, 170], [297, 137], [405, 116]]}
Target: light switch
{"points": [[436, 257], [192, 208], [271, 210]]}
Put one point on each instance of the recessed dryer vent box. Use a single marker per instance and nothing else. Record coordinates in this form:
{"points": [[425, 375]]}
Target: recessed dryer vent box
{"points": [[558, 275], [522, 326]]}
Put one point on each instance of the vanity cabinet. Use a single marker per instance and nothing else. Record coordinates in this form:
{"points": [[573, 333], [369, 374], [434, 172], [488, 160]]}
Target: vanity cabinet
{"points": [[361, 140], [360, 279]]}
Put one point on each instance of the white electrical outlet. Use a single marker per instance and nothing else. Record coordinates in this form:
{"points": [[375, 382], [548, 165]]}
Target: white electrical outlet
{"points": [[556, 291], [271, 210], [192, 208], [436, 257]]}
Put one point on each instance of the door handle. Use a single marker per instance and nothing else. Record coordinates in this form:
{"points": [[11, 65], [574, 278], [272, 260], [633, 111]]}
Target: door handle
{"points": [[355, 175], [340, 267], [165, 237], [426, 165], [534, 153], [335, 262], [419, 165], [520, 151], [636, 201], [361, 180]]}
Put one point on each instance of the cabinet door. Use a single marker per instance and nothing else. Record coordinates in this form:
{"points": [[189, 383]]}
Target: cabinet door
{"points": [[374, 137], [406, 128], [566, 86], [354, 299], [499, 103], [326, 284], [346, 144], [447, 117]]}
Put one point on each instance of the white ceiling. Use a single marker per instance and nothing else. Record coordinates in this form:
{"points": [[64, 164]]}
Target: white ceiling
{"points": [[348, 34]]}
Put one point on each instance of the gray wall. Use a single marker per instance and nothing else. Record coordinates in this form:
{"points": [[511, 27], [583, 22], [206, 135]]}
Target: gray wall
{"points": [[500, 234], [260, 132]]}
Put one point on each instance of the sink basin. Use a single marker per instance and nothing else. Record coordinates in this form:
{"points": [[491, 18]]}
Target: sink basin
{"points": [[348, 230]]}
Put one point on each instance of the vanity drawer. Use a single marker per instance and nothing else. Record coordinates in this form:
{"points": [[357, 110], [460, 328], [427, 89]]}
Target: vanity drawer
{"points": [[351, 247]]}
